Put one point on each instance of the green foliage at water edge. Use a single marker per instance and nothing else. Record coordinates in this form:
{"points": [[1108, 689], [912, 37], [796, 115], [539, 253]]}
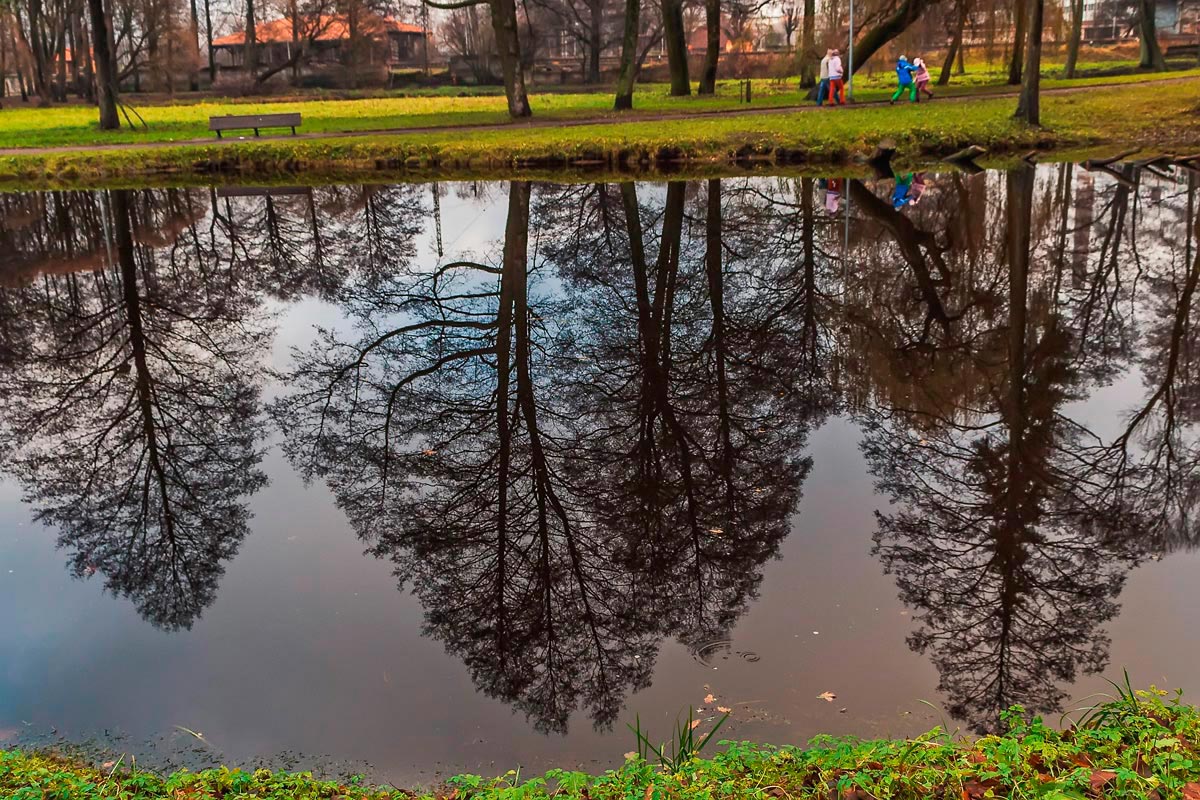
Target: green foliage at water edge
{"points": [[1139, 745]]}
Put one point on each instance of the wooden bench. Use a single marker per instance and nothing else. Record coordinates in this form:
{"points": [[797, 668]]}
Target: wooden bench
{"points": [[241, 122]]}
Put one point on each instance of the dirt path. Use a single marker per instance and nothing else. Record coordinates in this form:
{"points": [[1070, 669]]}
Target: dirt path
{"points": [[555, 122]]}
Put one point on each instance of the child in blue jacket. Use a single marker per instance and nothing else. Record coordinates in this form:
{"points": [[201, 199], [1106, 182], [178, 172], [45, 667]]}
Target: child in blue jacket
{"points": [[904, 74]]}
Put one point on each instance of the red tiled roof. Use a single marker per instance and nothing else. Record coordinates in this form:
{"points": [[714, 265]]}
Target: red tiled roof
{"points": [[331, 28]]}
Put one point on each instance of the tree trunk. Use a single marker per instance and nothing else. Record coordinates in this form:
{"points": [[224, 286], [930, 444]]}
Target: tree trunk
{"points": [[629, 43], [212, 59], [595, 40], [712, 46], [504, 27], [1151, 52], [1075, 38], [908, 12], [194, 39], [106, 78], [294, 11], [1028, 106], [808, 45], [677, 55], [352, 24], [41, 80], [251, 58], [1020, 14], [960, 21]]}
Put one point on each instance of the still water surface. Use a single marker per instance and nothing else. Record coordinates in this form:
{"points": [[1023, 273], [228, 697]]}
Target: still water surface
{"points": [[463, 476]]}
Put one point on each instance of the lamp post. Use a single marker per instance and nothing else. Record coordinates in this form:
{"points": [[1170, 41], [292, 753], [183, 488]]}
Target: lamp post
{"points": [[850, 57]]}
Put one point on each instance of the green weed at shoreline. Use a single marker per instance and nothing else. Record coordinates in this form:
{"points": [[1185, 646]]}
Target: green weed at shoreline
{"points": [[1141, 745]]}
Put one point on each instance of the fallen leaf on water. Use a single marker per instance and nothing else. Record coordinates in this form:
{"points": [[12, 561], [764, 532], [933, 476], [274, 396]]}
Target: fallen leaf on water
{"points": [[716, 530], [428, 452], [828, 697], [708, 698], [695, 724], [723, 709], [107, 764], [843, 710], [630, 756]]}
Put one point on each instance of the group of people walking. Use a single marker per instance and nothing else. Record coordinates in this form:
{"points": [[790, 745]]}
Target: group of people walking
{"points": [[912, 77], [832, 86]]}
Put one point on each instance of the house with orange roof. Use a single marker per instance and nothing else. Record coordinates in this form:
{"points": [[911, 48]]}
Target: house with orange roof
{"points": [[327, 41]]}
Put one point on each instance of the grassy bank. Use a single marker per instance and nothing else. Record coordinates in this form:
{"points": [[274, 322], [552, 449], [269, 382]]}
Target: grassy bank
{"points": [[1143, 746], [1161, 115], [75, 125]]}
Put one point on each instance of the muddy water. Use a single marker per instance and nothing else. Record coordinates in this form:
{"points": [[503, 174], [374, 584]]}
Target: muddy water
{"points": [[428, 478]]}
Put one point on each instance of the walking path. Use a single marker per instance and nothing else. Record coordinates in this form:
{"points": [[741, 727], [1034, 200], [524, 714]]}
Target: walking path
{"points": [[612, 118]]}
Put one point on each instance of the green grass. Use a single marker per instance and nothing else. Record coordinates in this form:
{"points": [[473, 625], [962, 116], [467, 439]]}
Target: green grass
{"points": [[76, 124], [1139, 745], [1163, 117]]}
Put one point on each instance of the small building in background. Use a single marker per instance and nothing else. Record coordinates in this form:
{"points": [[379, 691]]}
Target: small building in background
{"points": [[383, 42]]}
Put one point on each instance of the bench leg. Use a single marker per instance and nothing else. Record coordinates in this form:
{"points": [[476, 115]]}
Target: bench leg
{"points": [[293, 130], [218, 134], [256, 131]]}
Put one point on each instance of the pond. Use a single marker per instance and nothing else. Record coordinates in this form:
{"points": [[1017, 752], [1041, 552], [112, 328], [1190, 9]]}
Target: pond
{"points": [[424, 478]]}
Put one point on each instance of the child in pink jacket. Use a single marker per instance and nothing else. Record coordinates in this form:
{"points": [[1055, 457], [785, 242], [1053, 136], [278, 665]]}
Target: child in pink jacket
{"points": [[922, 78]]}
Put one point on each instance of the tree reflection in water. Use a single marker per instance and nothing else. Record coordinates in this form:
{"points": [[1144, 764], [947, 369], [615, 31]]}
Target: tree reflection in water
{"points": [[129, 407], [564, 476], [593, 437], [1016, 524]]}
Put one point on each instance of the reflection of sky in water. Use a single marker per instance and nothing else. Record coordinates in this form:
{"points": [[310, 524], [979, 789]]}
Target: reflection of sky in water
{"points": [[308, 645]]}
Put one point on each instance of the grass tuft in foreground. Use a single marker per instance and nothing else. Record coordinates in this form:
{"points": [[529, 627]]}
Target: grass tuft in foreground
{"points": [[1142, 745]]}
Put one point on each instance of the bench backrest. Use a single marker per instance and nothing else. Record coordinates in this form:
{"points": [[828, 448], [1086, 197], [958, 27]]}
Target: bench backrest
{"points": [[241, 121]]}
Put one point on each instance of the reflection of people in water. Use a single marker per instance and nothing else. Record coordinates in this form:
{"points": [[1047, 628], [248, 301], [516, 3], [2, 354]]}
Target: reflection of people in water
{"points": [[900, 194], [918, 188], [909, 189], [832, 189]]}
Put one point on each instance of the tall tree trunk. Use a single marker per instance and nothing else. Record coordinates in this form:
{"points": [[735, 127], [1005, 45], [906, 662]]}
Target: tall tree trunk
{"points": [[906, 13], [595, 40], [1151, 52], [106, 67], [251, 58], [960, 21], [712, 46], [352, 24], [1017, 58], [194, 40], [677, 54], [212, 58], [41, 78], [504, 27], [1075, 38], [629, 43], [1028, 105], [808, 45], [294, 11]]}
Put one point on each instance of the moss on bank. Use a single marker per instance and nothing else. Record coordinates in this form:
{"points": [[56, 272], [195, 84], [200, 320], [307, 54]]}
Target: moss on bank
{"points": [[1161, 115], [1136, 747]]}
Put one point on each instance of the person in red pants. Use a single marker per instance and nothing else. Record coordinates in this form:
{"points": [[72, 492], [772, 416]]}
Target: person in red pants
{"points": [[837, 86]]}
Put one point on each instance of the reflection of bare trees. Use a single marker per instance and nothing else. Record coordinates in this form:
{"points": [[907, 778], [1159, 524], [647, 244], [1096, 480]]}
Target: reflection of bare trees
{"points": [[592, 438], [1015, 524], [563, 476], [129, 355], [132, 417]]}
